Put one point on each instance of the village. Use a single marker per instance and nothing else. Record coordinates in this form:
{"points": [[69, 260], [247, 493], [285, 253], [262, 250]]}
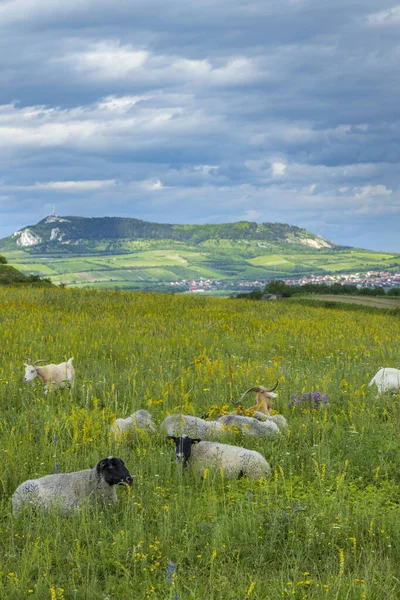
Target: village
{"points": [[370, 279]]}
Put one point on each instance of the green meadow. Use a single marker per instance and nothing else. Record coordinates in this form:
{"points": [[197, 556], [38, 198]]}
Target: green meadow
{"points": [[324, 525]]}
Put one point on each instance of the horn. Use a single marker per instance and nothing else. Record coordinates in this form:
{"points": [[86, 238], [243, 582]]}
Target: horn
{"points": [[256, 388], [28, 360], [40, 360], [271, 389]]}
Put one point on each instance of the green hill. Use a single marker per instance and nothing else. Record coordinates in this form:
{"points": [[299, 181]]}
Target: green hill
{"points": [[134, 254]]}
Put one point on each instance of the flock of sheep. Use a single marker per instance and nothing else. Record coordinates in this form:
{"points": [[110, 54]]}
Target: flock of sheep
{"points": [[195, 443]]}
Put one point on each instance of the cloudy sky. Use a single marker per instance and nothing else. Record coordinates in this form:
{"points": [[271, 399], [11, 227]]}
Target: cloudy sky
{"points": [[206, 112]]}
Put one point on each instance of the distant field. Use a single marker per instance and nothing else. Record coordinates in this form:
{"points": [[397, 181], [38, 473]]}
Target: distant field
{"points": [[366, 301], [155, 261]]}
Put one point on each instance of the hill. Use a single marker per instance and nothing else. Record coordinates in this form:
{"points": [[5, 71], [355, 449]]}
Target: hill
{"points": [[77, 234], [133, 254]]}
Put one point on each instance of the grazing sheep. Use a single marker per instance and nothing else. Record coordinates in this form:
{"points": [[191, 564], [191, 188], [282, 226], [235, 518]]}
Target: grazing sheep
{"points": [[386, 379], [69, 490], [231, 461], [264, 400], [249, 425], [141, 420], [192, 426], [49, 374]]}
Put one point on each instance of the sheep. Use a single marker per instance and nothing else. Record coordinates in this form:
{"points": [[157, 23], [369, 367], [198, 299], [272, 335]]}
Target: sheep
{"points": [[264, 400], [69, 490], [49, 374], [387, 379], [231, 461], [192, 426], [141, 420], [277, 419], [249, 425]]}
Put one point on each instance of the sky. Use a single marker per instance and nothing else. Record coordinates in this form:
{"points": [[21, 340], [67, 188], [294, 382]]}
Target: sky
{"points": [[209, 112]]}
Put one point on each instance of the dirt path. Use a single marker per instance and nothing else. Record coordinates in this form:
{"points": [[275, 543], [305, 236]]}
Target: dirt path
{"points": [[366, 300]]}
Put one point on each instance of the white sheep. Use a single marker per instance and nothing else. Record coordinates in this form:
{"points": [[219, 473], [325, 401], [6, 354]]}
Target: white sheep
{"points": [[231, 461], [277, 419], [50, 374], [69, 490], [387, 379], [141, 420], [177, 425], [249, 425]]}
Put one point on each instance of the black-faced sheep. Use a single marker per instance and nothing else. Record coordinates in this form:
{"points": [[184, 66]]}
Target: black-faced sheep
{"points": [[230, 461], [68, 490]]}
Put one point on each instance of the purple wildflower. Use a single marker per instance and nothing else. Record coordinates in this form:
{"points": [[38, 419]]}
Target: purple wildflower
{"points": [[171, 570]]}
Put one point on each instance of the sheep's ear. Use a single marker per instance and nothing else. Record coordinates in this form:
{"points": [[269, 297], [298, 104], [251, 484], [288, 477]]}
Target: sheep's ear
{"points": [[102, 464], [172, 437], [196, 441]]}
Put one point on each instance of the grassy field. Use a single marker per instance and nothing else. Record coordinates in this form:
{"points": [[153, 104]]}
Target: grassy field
{"points": [[325, 525], [164, 261], [376, 301]]}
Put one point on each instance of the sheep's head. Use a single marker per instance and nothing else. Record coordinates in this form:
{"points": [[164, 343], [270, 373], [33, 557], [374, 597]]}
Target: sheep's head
{"points": [[183, 446], [113, 471]]}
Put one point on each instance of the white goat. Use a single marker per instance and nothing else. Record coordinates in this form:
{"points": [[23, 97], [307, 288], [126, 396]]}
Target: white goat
{"points": [[177, 425], [50, 374], [386, 379], [231, 461], [141, 420], [68, 490]]}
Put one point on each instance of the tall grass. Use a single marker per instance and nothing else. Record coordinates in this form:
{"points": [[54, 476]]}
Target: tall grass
{"points": [[325, 525]]}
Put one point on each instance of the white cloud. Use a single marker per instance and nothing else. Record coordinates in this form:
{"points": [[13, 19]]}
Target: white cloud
{"points": [[110, 60], [385, 17], [278, 169], [152, 186], [371, 191], [66, 186]]}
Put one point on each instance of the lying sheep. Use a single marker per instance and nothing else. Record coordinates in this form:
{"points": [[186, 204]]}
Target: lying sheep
{"points": [[69, 490], [387, 379], [277, 419], [264, 399], [50, 374], [141, 420], [192, 426], [249, 425], [231, 461]]}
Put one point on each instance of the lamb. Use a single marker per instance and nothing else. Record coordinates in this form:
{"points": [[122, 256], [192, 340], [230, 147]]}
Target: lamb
{"points": [[264, 400], [231, 461], [69, 490], [141, 420], [193, 426], [387, 379], [249, 425], [49, 374]]}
